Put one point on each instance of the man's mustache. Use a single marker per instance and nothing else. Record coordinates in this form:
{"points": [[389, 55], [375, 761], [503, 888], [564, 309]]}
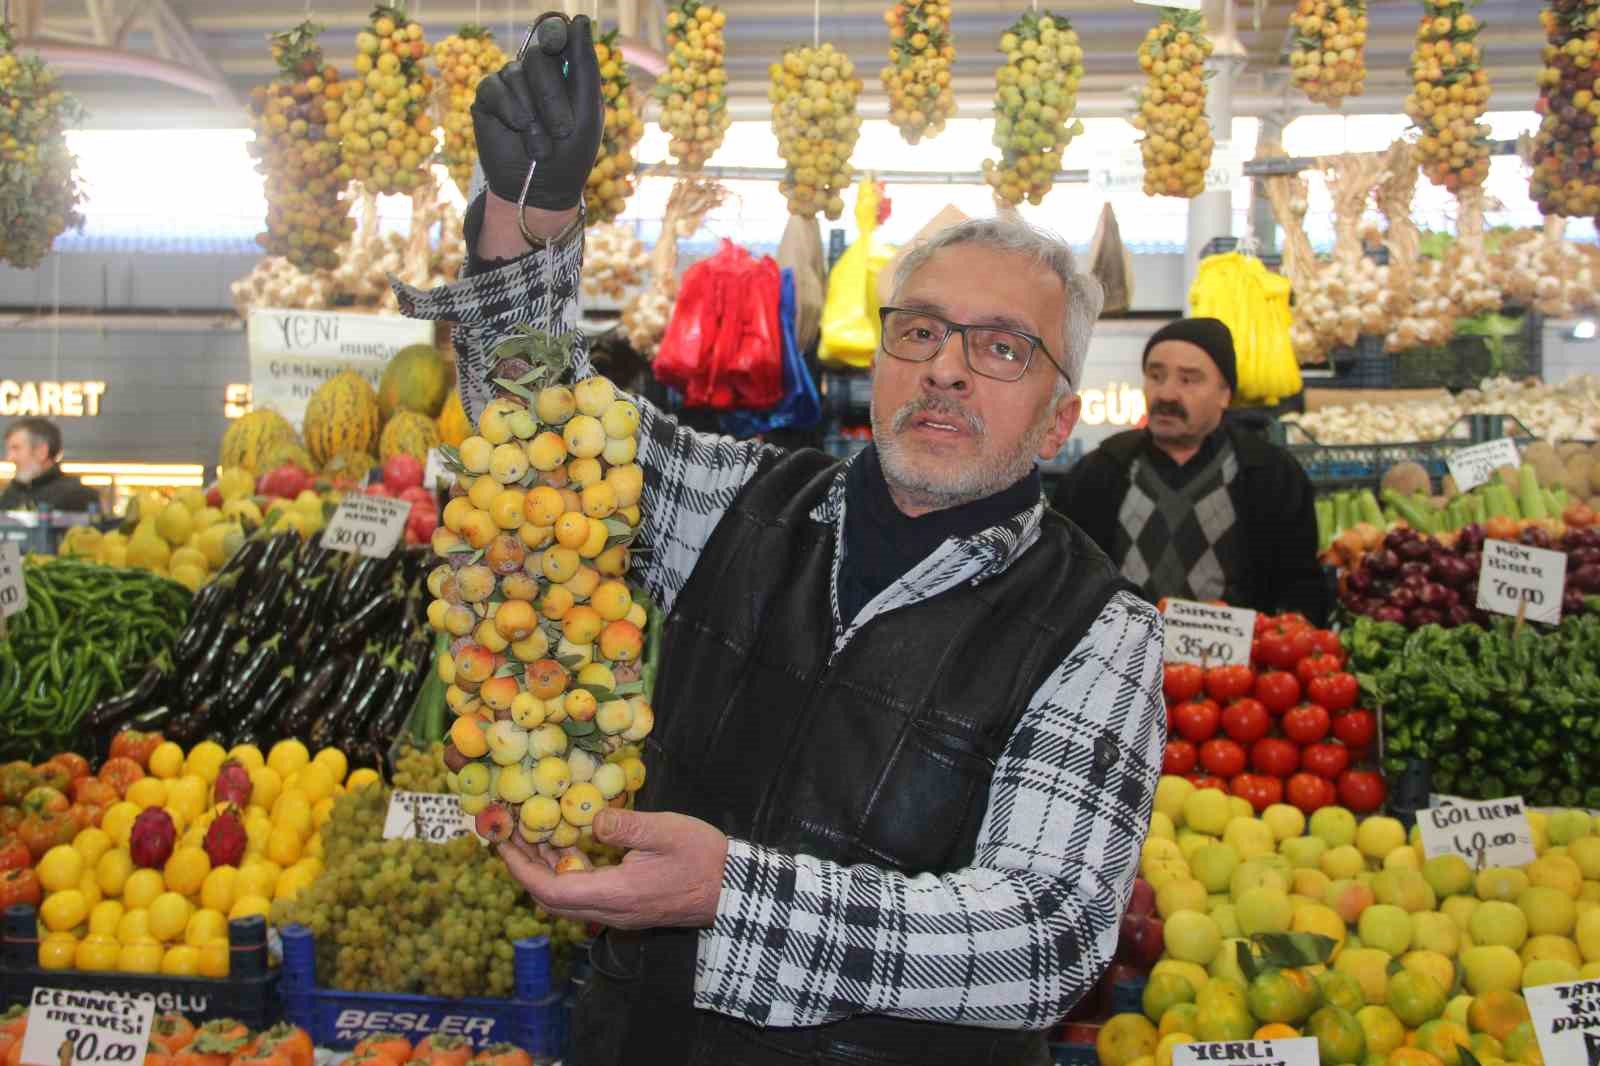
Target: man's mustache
{"points": [[938, 406], [1168, 408]]}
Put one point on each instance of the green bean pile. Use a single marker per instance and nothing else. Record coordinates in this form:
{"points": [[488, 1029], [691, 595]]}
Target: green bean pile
{"points": [[88, 632]]}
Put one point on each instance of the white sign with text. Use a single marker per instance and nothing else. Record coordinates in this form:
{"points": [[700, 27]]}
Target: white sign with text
{"points": [[367, 525], [1474, 466], [1207, 635], [430, 816], [1295, 1051], [1566, 1021], [104, 1028], [1484, 832], [293, 352], [13, 590], [1522, 582]]}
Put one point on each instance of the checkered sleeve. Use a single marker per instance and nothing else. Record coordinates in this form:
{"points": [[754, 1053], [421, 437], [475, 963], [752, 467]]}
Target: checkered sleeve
{"points": [[1014, 940]]}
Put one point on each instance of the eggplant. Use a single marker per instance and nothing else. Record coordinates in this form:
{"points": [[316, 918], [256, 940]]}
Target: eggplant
{"points": [[358, 626], [266, 606], [206, 673], [313, 559], [266, 706], [411, 620], [107, 715], [241, 567], [242, 683], [363, 580], [368, 702], [280, 547], [304, 609], [297, 715], [329, 724], [191, 727], [416, 658]]}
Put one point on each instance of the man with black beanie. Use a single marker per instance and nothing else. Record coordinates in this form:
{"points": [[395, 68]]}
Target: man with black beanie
{"points": [[1191, 507]]}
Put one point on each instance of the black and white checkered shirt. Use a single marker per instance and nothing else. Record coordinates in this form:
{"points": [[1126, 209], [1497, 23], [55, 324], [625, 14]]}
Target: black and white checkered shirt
{"points": [[1013, 940]]}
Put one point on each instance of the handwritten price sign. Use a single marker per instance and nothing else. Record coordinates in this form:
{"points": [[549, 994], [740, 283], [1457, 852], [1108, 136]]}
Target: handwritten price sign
{"points": [[1471, 467], [426, 816], [1522, 582], [1487, 833], [1207, 635], [1299, 1051], [103, 1028], [367, 525], [13, 592], [1566, 1021]]}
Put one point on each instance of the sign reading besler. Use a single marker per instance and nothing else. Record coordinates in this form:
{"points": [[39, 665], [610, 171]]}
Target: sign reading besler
{"points": [[293, 352]]}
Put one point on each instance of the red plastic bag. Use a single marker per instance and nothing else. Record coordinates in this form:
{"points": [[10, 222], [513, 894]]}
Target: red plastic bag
{"points": [[756, 369], [685, 348], [723, 348]]}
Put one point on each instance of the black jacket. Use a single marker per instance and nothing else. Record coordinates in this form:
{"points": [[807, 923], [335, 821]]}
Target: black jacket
{"points": [[51, 489], [1272, 497]]}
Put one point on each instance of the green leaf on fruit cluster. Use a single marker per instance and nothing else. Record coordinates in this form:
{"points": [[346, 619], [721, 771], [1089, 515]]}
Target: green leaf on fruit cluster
{"points": [[574, 728]]}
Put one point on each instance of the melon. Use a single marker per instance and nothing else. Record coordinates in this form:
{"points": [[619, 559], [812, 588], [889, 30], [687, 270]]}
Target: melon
{"points": [[291, 452], [249, 439], [453, 425], [351, 467], [416, 379], [408, 433], [342, 416]]}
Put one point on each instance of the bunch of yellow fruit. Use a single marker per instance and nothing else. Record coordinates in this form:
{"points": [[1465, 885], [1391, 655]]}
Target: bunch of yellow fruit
{"points": [[1172, 107], [39, 197], [1449, 96], [546, 673], [295, 119], [813, 92], [179, 535], [103, 912], [1035, 93], [1563, 180], [1327, 61], [464, 59], [386, 130], [917, 77], [694, 90], [611, 180]]}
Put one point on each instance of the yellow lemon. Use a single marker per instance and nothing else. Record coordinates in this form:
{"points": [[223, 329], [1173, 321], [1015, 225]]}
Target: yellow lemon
{"points": [[181, 960], [205, 925], [133, 925], [247, 755], [249, 906], [169, 916], [321, 811], [58, 951], [141, 888], [62, 911], [313, 848], [217, 892], [186, 870], [361, 778], [148, 792], [265, 786], [287, 756], [140, 956], [90, 889], [112, 870], [334, 761], [189, 794], [292, 811], [283, 846], [256, 878], [92, 843], [105, 916], [118, 821], [205, 759], [214, 959], [316, 781], [62, 867], [97, 951], [166, 762]]}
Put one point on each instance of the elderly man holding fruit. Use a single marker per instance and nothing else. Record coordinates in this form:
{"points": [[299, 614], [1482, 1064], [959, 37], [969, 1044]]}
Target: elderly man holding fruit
{"points": [[908, 720]]}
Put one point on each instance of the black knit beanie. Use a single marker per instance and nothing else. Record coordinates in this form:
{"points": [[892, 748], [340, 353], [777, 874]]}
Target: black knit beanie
{"points": [[1210, 335]]}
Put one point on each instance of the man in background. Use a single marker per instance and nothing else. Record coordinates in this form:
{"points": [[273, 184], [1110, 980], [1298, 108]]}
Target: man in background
{"points": [[33, 448]]}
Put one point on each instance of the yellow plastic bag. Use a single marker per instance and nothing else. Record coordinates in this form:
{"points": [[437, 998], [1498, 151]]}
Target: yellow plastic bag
{"points": [[850, 312]]}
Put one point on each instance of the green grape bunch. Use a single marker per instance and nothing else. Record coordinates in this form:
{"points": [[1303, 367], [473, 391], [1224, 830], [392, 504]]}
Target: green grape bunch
{"points": [[1035, 94], [39, 187]]}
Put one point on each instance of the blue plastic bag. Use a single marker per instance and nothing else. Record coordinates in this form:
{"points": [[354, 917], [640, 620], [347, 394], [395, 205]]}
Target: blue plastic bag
{"points": [[801, 406]]}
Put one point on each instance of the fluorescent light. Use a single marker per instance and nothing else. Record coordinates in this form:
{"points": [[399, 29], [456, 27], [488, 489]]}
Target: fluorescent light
{"points": [[1584, 330]]}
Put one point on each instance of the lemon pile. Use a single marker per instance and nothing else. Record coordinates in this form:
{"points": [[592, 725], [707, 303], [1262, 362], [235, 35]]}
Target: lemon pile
{"points": [[464, 59], [178, 535], [1450, 92], [917, 77], [386, 131], [100, 912], [1563, 183], [694, 90], [1035, 94], [308, 219], [1328, 60], [39, 197], [1177, 143], [1254, 303], [611, 181], [813, 91]]}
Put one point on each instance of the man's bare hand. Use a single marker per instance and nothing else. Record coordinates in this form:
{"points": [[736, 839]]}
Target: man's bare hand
{"points": [[672, 876]]}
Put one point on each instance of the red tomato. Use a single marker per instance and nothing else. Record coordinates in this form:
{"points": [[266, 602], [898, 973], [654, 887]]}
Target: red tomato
{"points": [[14, 854], [1334, 691], [1293, 618], [1246, 720], [74, 764], [1361, 790], [41, 832], [1275, 756], [1355, 728], [1283, 646], [1315, 666], [1182, 681], [1207, 781], [1179, 758], [1222, 757], [1326, 641], [1326, 758], [1196, 720], [1259, 790], [19, 886], [1309, 792], [1306, 723], [1277, 690], [44, 798], [1227, 683]]}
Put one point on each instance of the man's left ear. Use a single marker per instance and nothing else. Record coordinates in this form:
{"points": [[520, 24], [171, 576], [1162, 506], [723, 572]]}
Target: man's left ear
{"points": [[1065, 420]]}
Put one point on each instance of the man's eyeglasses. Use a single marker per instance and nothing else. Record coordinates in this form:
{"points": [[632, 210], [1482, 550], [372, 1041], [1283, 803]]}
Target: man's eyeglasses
{"points": [[1000, 354]]}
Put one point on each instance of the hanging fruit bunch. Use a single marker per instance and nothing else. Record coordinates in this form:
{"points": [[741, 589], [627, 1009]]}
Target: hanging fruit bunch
{"points": [[464, 59], [1035, 94], [813, 92], [39, 194], [694, 90], [1564, 181], [1449, 96], [917, 77], [1172, 108], [308, 219], [387, 132], [611, 180], [1328, 61]]}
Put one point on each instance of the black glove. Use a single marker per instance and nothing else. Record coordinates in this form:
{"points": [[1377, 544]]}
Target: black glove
{"points": [[529, 111]]}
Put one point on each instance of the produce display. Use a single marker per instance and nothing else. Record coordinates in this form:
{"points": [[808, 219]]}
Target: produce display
{"points": [[1450, 93], [612, 179], [1254, 303], [175, 1039], [1338, 928], [186, 536], [1570, 410], [917, 77], [87, 632], [1035, 96], [40, 197], [1562, 182], [1284, 728], [694, 90], [813, 92], [464, 59], [386, 129], [42, 805], [1328, 59], [1177, 141], [647, 312], [614, 260]]}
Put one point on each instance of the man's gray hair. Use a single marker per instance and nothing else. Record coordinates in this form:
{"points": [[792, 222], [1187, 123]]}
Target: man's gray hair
{"points": [[1085, 297]]}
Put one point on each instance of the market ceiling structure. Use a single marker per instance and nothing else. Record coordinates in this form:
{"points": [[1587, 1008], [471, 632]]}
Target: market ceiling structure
{"points": [[189, 62]]}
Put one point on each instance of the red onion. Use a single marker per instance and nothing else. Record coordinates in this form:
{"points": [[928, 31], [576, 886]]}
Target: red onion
{"points": [[1433, 595], [1414, 549], [1587, 578], [1358, 580], [1397, 537], [1582, 557], [1414, 582], [1390, 614], [1458, 615], [1572, 602], [1470, 538], [1403, 598], [1414, 568], [1383, 562], [1536, 537], [1424, 616]]}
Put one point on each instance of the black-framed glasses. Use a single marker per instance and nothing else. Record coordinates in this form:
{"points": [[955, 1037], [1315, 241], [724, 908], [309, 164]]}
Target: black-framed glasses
{"points": [[992, 352]]}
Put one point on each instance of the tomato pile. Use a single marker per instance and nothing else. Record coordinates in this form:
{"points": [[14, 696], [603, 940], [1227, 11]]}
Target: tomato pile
{"points": [[1284, 729]]}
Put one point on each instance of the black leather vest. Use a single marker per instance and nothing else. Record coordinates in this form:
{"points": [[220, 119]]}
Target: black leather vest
{"points": [[882, 755]]}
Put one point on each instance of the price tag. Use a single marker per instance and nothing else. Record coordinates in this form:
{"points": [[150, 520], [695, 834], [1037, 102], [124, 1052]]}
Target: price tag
{"points": [[13, 590], [1207, 635], [1297, 1051], [1566, 1021], [1484, 832], [367, 525], [436, 474], [104, 1028], [1471, 467], [1522, 582], [429, 816]]}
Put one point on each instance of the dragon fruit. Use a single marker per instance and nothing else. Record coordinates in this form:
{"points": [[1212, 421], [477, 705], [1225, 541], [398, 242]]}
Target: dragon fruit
{"points": [[151, 839], [225, 839], [233, 784]]}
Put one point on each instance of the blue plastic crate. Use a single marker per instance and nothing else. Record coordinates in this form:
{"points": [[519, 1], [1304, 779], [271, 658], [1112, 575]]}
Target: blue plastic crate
{"points": [[534, 1019], [1127, 997]]}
